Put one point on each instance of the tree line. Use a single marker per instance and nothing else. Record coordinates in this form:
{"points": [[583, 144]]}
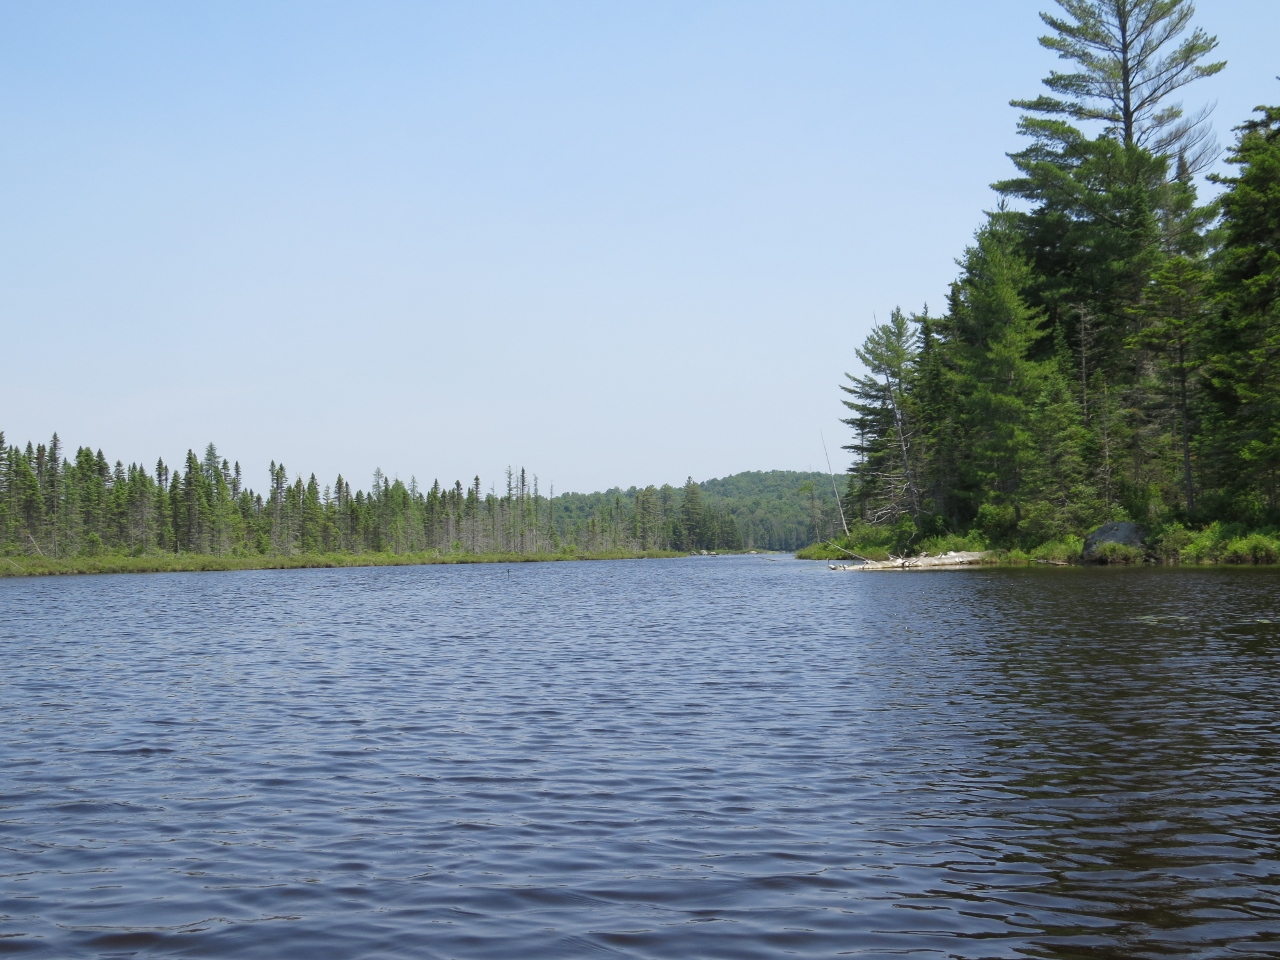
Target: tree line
{"points": [[766, 510], [57, 506], [1111, 347]]}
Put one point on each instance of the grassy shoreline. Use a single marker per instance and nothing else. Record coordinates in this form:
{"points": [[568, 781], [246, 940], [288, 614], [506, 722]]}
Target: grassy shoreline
{"points": [[28, 566], [1171, 545]]}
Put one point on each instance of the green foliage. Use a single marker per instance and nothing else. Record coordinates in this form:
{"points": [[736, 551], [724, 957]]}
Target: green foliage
{"points": [[867, 541], [1241, 442], [1168, 544], [1209, 545], [692, 524], [1128, 62], [83, 508], [885, 483], [1066, 550], [756, 510], [953, 542], [1116, 554], [990, 338], [1219, 542], [1255, 548], [1108, 352]]}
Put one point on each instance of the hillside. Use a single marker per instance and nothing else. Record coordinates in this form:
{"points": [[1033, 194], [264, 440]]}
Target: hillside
{"points": [[757, 509]]}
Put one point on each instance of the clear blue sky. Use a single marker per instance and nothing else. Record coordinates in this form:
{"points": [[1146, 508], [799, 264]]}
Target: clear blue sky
{"points": [[615, 243]]}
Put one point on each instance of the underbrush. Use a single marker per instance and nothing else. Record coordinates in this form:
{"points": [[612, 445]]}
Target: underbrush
{"points": [[870, 541], [1217, 543], [1118, 554], [953, 542]]}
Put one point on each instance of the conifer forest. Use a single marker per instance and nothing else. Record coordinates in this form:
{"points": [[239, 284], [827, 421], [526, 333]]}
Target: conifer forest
{"points": [[57, 506], [1110, 349]]}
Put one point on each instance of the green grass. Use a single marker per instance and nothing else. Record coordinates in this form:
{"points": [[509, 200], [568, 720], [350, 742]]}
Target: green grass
{"points": [[28, 566]]}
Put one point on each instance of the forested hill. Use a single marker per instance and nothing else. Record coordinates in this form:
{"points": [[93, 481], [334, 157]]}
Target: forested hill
{"points": [[766, 510], [1110, 349], [57, 506]]}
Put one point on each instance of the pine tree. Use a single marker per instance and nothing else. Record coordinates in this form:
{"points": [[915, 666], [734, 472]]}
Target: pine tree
{"points": [[1176, 311], [993, 337], [692, 534], [886, 474], [1243, 368], [1128, 63]]}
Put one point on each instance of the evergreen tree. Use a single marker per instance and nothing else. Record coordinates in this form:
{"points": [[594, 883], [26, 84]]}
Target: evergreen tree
{"points": [[1129, 62], [1176, 310], [886, 475], [1243, 366], [993, 336], [692, 533]]}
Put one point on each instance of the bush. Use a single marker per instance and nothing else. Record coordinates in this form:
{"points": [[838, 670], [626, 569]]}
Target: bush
{"points": [[1210, 544], [1172, 543], [1112, 554], [996, 523], [1255, 548], [953, 541], [1043, 523], [1066, 550], [1167, 545]]}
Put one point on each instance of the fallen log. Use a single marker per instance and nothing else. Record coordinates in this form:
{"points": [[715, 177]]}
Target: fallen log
{"points": [[954, 558]]}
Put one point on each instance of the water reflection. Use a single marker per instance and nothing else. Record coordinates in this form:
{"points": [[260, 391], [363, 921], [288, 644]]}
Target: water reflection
{"points": [[1132, 744]]}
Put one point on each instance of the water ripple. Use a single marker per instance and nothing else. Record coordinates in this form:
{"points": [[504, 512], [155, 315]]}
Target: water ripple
{"points": [[708, 757]]}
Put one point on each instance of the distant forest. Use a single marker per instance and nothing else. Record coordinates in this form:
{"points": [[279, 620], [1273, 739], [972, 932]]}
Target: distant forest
{"points": [[1111, 347], [57, 506]]}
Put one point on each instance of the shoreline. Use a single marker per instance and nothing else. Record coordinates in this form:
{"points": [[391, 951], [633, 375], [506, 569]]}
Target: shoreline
{"points": [[1007, 562], [1217, 544], [209, 563]]}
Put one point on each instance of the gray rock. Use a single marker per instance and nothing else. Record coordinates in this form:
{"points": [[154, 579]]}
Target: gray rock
{"points": [[1125, 533]]}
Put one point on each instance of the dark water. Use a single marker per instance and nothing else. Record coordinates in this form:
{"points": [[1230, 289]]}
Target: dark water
{"points": [[729, 757]]}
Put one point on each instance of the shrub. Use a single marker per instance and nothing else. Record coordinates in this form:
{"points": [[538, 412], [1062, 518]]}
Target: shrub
{"points": [[1118, 553], [1210, 544], [1066, 550], [1255, 548], [996, 523], [1167, 545], [1042, 523], [953, 541], [92, 546]]}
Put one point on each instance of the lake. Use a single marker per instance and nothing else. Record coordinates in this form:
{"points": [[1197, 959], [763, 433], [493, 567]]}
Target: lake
{"points": [[707, 757]]}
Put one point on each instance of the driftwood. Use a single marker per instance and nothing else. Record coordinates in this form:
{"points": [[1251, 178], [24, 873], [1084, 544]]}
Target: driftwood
{"points": [[922, 562]]}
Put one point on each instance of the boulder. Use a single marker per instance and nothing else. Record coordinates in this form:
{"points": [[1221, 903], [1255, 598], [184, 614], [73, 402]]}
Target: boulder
{"points": [[1125, 533]]}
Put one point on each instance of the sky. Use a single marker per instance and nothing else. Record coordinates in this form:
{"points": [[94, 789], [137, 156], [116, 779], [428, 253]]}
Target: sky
{"points": [[612, 243]]}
